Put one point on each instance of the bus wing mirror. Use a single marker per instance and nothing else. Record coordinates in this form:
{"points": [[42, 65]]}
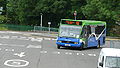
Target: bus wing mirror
{"points": [[101, 64]]}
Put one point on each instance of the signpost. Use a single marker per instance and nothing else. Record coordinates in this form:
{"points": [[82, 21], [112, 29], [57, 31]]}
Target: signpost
{"points": [[75, 14], [49, 23], [41, 19]]}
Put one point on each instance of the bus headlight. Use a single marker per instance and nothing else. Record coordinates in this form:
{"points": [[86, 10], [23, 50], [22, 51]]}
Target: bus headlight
{"points": [[81, 40], [75, 42], [60, 41]]}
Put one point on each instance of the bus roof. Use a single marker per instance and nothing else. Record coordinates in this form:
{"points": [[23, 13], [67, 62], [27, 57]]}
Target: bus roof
{"points": [[87, 22]]}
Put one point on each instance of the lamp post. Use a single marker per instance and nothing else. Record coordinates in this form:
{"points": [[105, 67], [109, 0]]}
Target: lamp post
{"points": [[75, 14], [41, 19], [49, 23]]}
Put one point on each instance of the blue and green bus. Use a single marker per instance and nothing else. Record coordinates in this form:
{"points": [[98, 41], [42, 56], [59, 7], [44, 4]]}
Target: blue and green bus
{"points": [[81, 33]]}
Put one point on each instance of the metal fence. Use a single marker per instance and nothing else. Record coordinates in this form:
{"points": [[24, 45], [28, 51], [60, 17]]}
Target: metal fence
{"points": [[15, 27], [39, 28], [26, 28], [114, 43]]}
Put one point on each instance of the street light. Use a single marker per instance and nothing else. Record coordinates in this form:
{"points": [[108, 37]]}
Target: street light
{"points": [[41, 19], [75, 14], [49, 23]]}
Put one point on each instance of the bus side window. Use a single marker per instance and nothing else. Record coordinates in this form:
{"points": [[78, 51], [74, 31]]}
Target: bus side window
{"points": [[99, 29], [88, 30]]}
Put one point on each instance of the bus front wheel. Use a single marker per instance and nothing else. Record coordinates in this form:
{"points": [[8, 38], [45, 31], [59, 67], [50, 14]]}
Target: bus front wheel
{"points": [[81, 47], [58, 46]]}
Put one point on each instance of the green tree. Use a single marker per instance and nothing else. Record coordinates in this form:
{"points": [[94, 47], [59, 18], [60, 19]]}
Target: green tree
{"points": [[106, 10]]}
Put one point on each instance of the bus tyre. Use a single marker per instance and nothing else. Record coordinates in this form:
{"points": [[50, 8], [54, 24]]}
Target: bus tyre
{"points": [[81, 47], [58, 46], [99, 44]]}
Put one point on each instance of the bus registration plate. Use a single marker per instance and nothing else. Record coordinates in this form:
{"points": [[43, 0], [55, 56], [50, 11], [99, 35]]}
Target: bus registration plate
{"points": [[67, 44]]}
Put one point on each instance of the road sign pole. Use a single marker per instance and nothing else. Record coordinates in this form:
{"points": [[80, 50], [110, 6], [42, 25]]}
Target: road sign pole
{"points": [[75, 14], [49, 23], [41, 20]]}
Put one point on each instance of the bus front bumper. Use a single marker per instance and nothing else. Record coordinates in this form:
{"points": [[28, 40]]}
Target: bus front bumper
{"points": [[68, 45]]}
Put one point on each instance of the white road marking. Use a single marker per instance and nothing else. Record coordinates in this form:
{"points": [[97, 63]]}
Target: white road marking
{"points": [[80, 54], [13, 32], [21, 37], [14, 37], [16, 45], [39, 38], [6, 49], [77, 53], [33, 39], [54, 39], [56, 52], [68, 53], [34, 46], [5, 37], [47, 38], [13, 50], [20, 55], [92, 54], [30, 37], [43, 51], [9, 49], [0, 49], [1, 44], [83, 54], [16, 63]]}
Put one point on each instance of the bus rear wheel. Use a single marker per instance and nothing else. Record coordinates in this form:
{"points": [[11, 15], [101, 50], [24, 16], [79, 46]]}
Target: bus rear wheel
{"points": [[98, 44], [58, 46]]}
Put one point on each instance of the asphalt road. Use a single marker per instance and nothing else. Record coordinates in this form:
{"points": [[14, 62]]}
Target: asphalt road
{"points": [[19, 50]]}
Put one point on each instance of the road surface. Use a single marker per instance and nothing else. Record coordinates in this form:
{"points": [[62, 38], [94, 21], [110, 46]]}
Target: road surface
{"points": [[19, 50]]}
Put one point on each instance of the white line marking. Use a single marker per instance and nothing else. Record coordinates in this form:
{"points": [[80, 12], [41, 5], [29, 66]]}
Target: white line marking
{"points": [[43, 51], [33, 46], [56, 52], [13, 50], [39, 38], [14, 37], [1, 44], [80, 54], [47, 38], [54, 39], [21, 37], [68, 53], [77, 53], [16, 63], [92, 54], [5, 37], [6, 49], [20, 55], [0, 49], [83, 54]]}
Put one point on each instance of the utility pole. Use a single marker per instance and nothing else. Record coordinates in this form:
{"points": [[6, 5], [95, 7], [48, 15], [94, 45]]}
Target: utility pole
{"points": [[41, 19]]}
